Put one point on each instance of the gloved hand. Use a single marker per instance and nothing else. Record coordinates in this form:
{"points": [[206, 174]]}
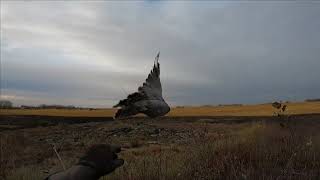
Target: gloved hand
{"points": [[98, 161], [103, 158]]}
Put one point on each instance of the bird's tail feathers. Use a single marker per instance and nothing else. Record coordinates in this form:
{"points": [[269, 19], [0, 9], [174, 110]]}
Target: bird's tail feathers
{"points": [[125, 112]]}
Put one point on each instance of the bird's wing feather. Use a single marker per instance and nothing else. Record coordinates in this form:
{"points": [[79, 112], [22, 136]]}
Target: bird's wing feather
{"points": [[150, 90], [152, 86]]}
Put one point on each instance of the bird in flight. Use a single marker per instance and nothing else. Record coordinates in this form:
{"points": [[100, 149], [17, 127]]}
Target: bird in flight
{"points": [[147, 100]]}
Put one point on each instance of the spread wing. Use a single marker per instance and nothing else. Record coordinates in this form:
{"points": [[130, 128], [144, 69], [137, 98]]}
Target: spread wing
{"points": [[152, 86], [150, 90]]}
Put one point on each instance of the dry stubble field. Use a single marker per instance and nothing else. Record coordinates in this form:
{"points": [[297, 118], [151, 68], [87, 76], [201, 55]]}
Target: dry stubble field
{"points": [[227, 110], [227, 142]]}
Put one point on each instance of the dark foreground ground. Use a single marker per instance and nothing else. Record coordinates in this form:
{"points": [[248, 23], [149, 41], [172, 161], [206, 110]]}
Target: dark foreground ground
{"points": [[167, 148]]}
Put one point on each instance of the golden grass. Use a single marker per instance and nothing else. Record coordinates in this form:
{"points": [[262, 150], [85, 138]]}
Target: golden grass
{"points": [[60, 112], [245, 110]]}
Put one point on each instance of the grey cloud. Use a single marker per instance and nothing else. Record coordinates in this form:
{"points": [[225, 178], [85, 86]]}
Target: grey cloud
{"points": [[211, 52]]}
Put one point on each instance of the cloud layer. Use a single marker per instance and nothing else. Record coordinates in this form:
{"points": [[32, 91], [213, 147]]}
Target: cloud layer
{"points": [[95, 53]]}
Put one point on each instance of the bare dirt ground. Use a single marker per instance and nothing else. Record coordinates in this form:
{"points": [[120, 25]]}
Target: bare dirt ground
{"points": [[27, 143]]}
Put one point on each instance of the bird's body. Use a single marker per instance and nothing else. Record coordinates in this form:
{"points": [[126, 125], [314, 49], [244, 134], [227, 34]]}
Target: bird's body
{"points": [[154, 108], [147, 100]]}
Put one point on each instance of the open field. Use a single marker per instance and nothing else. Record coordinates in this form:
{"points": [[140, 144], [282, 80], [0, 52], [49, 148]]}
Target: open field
{"points": [[230, 142], [232, 110], [167, 148]]}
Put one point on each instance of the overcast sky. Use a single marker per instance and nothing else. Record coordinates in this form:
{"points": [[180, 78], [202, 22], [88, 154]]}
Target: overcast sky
{"points": [[95, 53]]}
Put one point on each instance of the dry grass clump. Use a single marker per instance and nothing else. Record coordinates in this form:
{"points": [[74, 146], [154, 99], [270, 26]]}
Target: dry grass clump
{"points": [[261, 151], [9, 158], [258, 151], [21, 159], [155, 162], [254, 151]]}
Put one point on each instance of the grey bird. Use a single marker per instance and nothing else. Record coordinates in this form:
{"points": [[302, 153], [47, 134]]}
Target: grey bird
{"points": [[99, 160], [148, 100]]}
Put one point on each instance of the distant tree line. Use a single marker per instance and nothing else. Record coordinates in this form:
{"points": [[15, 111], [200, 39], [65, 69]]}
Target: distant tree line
{"points": [[45, 106], [4, 104], [312, 100]]}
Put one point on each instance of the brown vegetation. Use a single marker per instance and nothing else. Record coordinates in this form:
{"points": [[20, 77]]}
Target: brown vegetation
{"points": [[170, 148], [185, 111]]}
